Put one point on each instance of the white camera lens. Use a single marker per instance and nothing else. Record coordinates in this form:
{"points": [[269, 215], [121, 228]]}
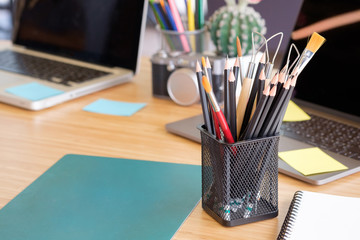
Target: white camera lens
{"points": [[182, 87]]}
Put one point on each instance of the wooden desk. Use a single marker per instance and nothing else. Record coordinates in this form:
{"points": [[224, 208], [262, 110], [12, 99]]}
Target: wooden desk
{"points": [[31, 142]]}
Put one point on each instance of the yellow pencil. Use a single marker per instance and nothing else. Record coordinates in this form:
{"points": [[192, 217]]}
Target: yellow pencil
{"points": [[191, 24]]}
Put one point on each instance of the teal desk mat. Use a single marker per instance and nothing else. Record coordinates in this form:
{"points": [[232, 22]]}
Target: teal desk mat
{"points": [[33, 91], [111, 107], [92, 198]]}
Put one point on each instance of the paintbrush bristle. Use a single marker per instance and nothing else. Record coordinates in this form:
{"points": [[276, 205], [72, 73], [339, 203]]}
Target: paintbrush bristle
{"points": [[238, 47], [206, 84], [203, 61], [315, 42]]}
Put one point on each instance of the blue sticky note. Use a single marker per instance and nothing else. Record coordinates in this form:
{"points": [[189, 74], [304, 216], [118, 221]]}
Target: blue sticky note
{"points": [[110, 107], [33, 91]]}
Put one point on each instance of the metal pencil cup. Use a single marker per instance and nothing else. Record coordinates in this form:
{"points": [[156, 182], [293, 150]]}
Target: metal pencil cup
{"points": [[240, 180]]}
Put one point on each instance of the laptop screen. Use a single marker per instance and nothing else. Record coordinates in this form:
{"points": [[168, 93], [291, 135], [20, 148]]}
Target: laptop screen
{"points": [[331, 79], [100, 32]]}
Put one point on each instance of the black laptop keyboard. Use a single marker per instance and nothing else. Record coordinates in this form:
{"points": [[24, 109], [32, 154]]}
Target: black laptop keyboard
{"points": [[45, 69], [326, 134]]}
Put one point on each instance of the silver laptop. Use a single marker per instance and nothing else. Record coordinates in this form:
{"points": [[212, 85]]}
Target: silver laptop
{"points": [[75, 47], [289, 140]]}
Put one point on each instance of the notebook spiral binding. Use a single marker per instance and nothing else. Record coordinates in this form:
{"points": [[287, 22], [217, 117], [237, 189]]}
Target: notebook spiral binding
{"points": [[286, 228]]}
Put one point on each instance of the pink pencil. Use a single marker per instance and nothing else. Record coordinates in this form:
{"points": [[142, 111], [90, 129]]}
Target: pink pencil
{"points": [[179, 25]]}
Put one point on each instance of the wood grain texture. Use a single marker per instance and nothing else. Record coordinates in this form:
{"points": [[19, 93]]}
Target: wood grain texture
{"points": [[31, 142]]}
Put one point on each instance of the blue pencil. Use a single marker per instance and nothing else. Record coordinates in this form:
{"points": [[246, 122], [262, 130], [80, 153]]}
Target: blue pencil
{"points": [[161, 16], [170, 17]]}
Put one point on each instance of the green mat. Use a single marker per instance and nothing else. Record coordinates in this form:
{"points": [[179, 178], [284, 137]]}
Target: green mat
{"points": [[86, 197]]}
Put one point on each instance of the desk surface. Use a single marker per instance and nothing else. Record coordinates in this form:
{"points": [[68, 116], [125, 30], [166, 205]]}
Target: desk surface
{"points": [[31, 142]]}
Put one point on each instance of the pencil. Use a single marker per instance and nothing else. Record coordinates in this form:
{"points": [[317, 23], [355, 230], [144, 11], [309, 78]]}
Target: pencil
{"points": [[282, 78], [156, 13], [200, 9], [216, 108], [254, 90], [203, 99], [232, 105], [236, 70], [191, 23], [169, 14], [276, 130], [162, 15], [250, 129], [259, 71], [226, 90], [274, 81], [274, 110], [215, 124], [265, 112], [179, 25], [262, 79]]}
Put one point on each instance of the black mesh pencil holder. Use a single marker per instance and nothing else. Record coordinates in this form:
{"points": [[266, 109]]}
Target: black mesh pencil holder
{"points": [[240, 180]]}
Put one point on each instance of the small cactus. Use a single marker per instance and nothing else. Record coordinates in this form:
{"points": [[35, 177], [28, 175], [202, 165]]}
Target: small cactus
{"points": [[235, 20]]}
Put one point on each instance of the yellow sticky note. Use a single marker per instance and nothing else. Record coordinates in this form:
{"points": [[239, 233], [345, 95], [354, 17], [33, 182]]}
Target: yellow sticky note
{"points": [[311, 161], [295, 113]]}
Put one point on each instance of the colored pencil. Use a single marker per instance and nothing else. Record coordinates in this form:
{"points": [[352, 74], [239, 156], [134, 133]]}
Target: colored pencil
{"points": [[191, 23], [179, 25], [170, 16]]}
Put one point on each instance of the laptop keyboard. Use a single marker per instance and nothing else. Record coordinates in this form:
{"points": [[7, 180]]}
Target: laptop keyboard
{"points": [[45, 69], [326, 134]]}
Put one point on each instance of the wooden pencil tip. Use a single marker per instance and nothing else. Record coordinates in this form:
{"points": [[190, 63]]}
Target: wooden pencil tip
{"points": [[206, 84], [315, 42], [262, 75], [287, 84], [267, 90], [198, 67], [263, 58], [293, 80], [273, 91], [236, 64], [282, 74], [208, 65], [275, 79]]}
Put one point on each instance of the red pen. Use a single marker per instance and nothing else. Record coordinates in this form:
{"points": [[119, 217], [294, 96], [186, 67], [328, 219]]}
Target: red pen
{"points": [[219, 114]]}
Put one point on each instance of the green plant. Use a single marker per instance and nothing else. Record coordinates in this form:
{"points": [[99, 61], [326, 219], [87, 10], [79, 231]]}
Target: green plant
{"points": [[235, 20]]}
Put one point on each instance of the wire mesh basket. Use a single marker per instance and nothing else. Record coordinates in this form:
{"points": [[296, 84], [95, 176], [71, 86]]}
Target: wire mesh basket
{"points": [[240, 180]]}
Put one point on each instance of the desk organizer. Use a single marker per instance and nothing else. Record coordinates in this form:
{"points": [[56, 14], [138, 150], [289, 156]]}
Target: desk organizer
{"points": [[240, 180]]}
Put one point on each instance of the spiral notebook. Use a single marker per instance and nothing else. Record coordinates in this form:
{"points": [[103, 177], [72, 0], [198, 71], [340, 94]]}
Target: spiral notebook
{"points": [[321, 216]]}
